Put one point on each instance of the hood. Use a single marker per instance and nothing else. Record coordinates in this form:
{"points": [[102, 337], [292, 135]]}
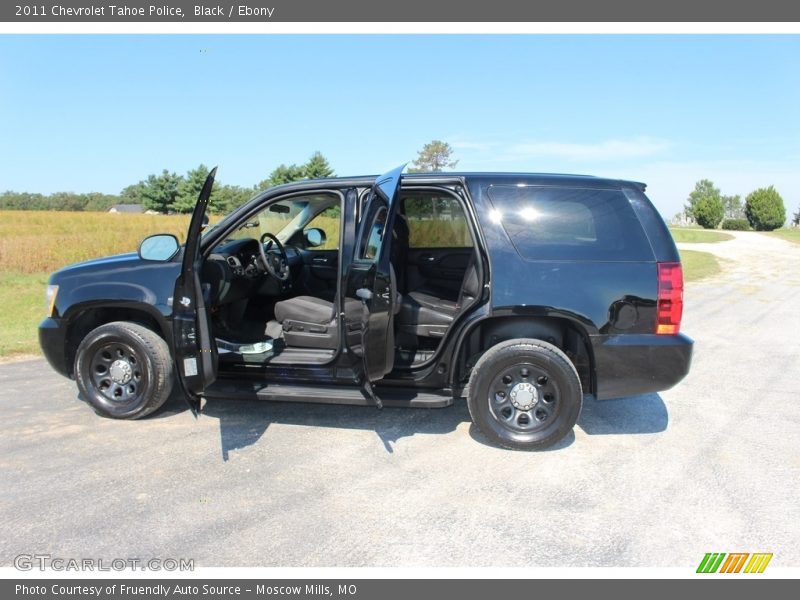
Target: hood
{"points": [[104, 264]]}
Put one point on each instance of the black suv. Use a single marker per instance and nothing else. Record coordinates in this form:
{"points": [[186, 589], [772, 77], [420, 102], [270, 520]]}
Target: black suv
{"points": [[522, 292]]}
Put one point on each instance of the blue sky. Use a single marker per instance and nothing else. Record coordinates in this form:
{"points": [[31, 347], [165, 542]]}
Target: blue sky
{"points": [[97, 112]]}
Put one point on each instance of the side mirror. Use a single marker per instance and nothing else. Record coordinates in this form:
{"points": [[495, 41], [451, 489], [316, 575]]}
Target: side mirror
{"points": [[160, 247], [315, 237], [205, 223]]}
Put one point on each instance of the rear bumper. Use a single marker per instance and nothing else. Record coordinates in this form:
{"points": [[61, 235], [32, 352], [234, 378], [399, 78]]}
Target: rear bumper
{"points": [[629, 365], [52, 339]]}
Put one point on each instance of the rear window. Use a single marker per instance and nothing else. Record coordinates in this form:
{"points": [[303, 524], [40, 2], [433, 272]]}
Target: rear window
{"points": [[569, 223]]}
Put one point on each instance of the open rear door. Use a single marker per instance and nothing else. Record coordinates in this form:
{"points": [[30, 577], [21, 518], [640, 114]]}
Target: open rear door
{"points": [[194, 345], [372, 278]]}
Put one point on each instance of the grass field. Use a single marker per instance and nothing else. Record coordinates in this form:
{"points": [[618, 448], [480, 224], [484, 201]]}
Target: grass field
{"points": [[43, 241], [36, 243], [692, 235], [697, 265], [792, 235]]}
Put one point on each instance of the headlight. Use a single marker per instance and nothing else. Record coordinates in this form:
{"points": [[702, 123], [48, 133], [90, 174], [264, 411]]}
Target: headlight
{"points": [[50, 299]]}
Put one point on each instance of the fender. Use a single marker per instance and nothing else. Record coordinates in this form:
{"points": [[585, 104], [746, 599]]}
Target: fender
{"points": [[538, 322]]}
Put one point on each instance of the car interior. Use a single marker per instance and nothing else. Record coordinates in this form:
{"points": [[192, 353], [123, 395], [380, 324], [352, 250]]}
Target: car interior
{"points": [[273, 284]]}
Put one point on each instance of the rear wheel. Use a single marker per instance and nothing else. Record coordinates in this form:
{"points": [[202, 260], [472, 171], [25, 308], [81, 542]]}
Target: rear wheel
{"points": [[124, 370], [525, 394]]}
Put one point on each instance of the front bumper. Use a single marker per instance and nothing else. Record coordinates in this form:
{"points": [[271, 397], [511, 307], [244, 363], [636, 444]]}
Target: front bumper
{"points": [[634, 364], [53, 341]]}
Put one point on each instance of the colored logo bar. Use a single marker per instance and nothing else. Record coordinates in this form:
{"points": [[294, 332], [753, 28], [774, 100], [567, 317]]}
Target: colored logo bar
{"points": [[734, 562]]}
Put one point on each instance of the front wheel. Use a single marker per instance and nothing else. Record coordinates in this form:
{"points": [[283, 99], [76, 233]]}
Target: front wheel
{"points": [[525, 394], [124, 370]]}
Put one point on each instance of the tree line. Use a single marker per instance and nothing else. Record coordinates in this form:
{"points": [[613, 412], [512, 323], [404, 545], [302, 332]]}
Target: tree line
{"points": [[763, 209], [169, 192]]}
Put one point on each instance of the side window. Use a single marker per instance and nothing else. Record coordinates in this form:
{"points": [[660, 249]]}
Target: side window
{"points": [[373, 234], [563, 223], [435, 221], [327, 221]]}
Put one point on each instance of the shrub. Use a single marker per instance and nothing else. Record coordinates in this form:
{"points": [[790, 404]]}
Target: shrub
{"points": [[764, 209], [708, 212], [736, 224], [705, 205]]}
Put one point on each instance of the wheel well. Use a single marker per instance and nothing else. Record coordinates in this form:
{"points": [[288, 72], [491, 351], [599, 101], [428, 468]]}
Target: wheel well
{"points": [[92, 318], [562, 333]]}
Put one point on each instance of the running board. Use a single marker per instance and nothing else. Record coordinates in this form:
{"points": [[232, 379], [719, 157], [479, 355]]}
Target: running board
{"points": [[326, 394]]}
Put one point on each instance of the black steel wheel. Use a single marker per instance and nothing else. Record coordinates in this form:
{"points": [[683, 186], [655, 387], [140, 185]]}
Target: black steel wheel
{"points": [[124, 370], [525, 394]]}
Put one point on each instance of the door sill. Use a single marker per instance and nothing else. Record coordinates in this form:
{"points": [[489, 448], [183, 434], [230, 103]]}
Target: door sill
{"points": [[325, 394]]}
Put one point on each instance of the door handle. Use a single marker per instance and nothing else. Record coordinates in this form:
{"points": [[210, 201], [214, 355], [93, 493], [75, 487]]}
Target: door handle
{"points": [[320, 261], [427, 258], [364, 293]]}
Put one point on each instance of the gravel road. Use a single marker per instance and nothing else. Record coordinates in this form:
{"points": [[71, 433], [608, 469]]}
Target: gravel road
{"points": [[658, 480]]}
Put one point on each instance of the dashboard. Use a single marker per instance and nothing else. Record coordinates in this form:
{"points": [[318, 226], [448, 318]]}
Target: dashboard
{"points": [[234, 272]]}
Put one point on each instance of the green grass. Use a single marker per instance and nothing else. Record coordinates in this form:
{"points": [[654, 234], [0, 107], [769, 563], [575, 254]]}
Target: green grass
{"points": [[792, 235], [698, 265], [22, 299], [685, 234]]}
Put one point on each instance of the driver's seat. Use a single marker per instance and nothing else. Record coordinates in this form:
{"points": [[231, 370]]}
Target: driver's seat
{"points": [[309, 322]]}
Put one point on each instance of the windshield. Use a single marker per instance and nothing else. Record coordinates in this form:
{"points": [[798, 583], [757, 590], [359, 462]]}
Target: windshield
{"points": [[287, 217]]}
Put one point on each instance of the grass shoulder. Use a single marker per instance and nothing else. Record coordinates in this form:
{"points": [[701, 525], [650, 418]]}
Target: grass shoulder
{"points": [[791, 235], [22, 299], [698, 265], [698, 236]]}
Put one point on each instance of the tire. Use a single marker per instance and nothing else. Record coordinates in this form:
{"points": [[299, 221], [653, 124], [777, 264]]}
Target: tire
{"points": [[124, 370], [524, 394]]}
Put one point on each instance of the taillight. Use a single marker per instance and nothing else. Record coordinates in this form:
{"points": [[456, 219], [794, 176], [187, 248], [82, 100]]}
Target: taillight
{"points": [[670, 298]]}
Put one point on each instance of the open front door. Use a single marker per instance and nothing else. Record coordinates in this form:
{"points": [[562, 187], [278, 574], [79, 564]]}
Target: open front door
{"points": [[194, 344], [372, 277]]}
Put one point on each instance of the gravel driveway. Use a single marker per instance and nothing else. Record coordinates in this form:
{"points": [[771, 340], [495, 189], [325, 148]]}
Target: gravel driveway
{"points": [[659, 480]]}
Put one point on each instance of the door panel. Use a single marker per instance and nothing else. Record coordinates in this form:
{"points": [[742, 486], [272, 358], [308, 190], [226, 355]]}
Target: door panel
{"points": [[195, 348], [320, 272], [437, 269], [371, 279]]}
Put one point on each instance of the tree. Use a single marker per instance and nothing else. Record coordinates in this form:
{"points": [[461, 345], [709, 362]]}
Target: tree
{"points": [[160, 191], [227, 197], [734, 209], [764, 209], [133, 194], [100, 202], [189, 189], [282, 174], [796, 217], [65, 201], [434, 157], [317, 167], [705, 204]]}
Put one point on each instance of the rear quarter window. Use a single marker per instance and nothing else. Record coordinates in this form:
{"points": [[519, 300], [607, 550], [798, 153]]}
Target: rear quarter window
{"points": [[569, 223]]}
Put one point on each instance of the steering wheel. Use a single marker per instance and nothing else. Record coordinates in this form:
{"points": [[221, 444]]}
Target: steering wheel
{"points": [[277, 266]]}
